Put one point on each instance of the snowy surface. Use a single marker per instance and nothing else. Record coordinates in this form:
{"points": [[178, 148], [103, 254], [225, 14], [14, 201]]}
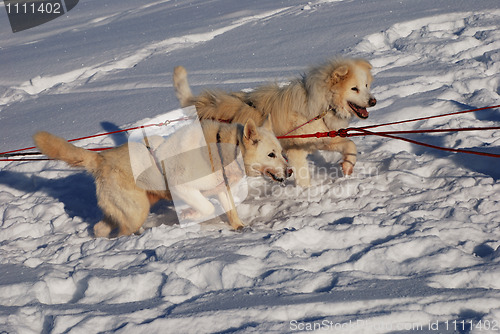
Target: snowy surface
{"points": [[409, 243]]}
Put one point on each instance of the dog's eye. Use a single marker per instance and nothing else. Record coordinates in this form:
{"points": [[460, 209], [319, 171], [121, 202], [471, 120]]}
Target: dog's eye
{"points": [[271, 155], [355, 89]]}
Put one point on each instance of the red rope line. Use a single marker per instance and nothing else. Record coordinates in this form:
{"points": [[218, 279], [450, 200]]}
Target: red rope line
{"points": [[12, 153], [427, 130], [390, 134], [456, 150], [361, 131], [430, 117]]}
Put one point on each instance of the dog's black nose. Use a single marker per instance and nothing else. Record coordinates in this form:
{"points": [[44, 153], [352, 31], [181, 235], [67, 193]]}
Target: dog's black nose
{"points": [[372, 101]]}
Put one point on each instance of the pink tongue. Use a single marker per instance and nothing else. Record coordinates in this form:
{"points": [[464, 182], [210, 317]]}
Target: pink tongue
{"points": [[363, 112]]}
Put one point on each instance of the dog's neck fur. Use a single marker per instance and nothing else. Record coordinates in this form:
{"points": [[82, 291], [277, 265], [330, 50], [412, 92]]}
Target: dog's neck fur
{"points": [[299, 94], [316, 106]]}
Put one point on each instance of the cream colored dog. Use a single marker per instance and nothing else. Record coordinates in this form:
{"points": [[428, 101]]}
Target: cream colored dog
{"points": [[333, 92], [125, 204]]}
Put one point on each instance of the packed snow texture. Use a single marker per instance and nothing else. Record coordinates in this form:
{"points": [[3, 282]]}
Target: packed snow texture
{"points": [[409, 243]]}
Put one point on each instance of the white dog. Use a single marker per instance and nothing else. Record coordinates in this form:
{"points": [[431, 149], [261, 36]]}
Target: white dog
{"points": [[125, 200]]}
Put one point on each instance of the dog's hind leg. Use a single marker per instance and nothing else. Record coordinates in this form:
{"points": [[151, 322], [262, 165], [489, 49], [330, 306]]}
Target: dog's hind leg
{"points": [[134, 214], [104, 228], [124, 208], [298, 160]]}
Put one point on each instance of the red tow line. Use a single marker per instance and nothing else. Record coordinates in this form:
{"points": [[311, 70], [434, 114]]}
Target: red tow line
{"points": [[15, 153], [348, 132], [362, 131]]}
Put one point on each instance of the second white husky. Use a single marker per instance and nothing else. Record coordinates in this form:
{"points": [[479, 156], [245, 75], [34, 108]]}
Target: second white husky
{"points": [[126, 205]]}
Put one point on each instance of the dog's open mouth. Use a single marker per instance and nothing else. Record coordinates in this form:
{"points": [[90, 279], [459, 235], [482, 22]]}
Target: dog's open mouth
{"points": [[359, 111], [274, 177]]}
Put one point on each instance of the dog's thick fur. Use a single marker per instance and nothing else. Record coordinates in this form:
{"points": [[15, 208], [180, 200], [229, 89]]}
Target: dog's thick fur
{"points": [[125, 205], [340, 88]]}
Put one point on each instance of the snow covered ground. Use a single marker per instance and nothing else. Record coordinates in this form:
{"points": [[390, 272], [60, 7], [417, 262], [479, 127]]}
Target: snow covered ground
{"points": [[409, 243]]}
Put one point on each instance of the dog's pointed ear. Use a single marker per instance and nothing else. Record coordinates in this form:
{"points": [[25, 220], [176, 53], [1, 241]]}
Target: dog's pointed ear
{"points": [[250, 133], [364, 63], [338, 74], [268, 123], [341, 71]]}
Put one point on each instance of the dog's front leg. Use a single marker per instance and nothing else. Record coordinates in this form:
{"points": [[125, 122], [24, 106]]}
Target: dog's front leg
{"points": [[195, 199], [298, 160], [348, 150], [232, 215]]}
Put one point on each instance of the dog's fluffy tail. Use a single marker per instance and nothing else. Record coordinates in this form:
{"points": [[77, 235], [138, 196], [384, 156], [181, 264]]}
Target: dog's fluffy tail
{"points": [[58, 148], [181, 86], [213, 104]]}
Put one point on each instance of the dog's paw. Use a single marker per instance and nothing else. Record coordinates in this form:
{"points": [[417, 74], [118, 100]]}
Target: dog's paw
{"points": [[102, 229], [190, 214], [237, 225], [245, 229], [347, 167]]}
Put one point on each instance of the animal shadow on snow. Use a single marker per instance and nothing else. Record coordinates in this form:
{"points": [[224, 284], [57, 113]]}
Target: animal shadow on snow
{"points": [[481, 164], [119, 138], [77, 190]]}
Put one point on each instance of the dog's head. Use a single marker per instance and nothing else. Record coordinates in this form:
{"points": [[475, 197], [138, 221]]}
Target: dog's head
{"points": [[344, 85], [262, 152]]}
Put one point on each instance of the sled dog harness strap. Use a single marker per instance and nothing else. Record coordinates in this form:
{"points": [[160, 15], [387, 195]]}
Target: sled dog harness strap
{"points": [[226, 181], [159, 164], [210, 155], [236, 147], [235, 153], [219, 150]]}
